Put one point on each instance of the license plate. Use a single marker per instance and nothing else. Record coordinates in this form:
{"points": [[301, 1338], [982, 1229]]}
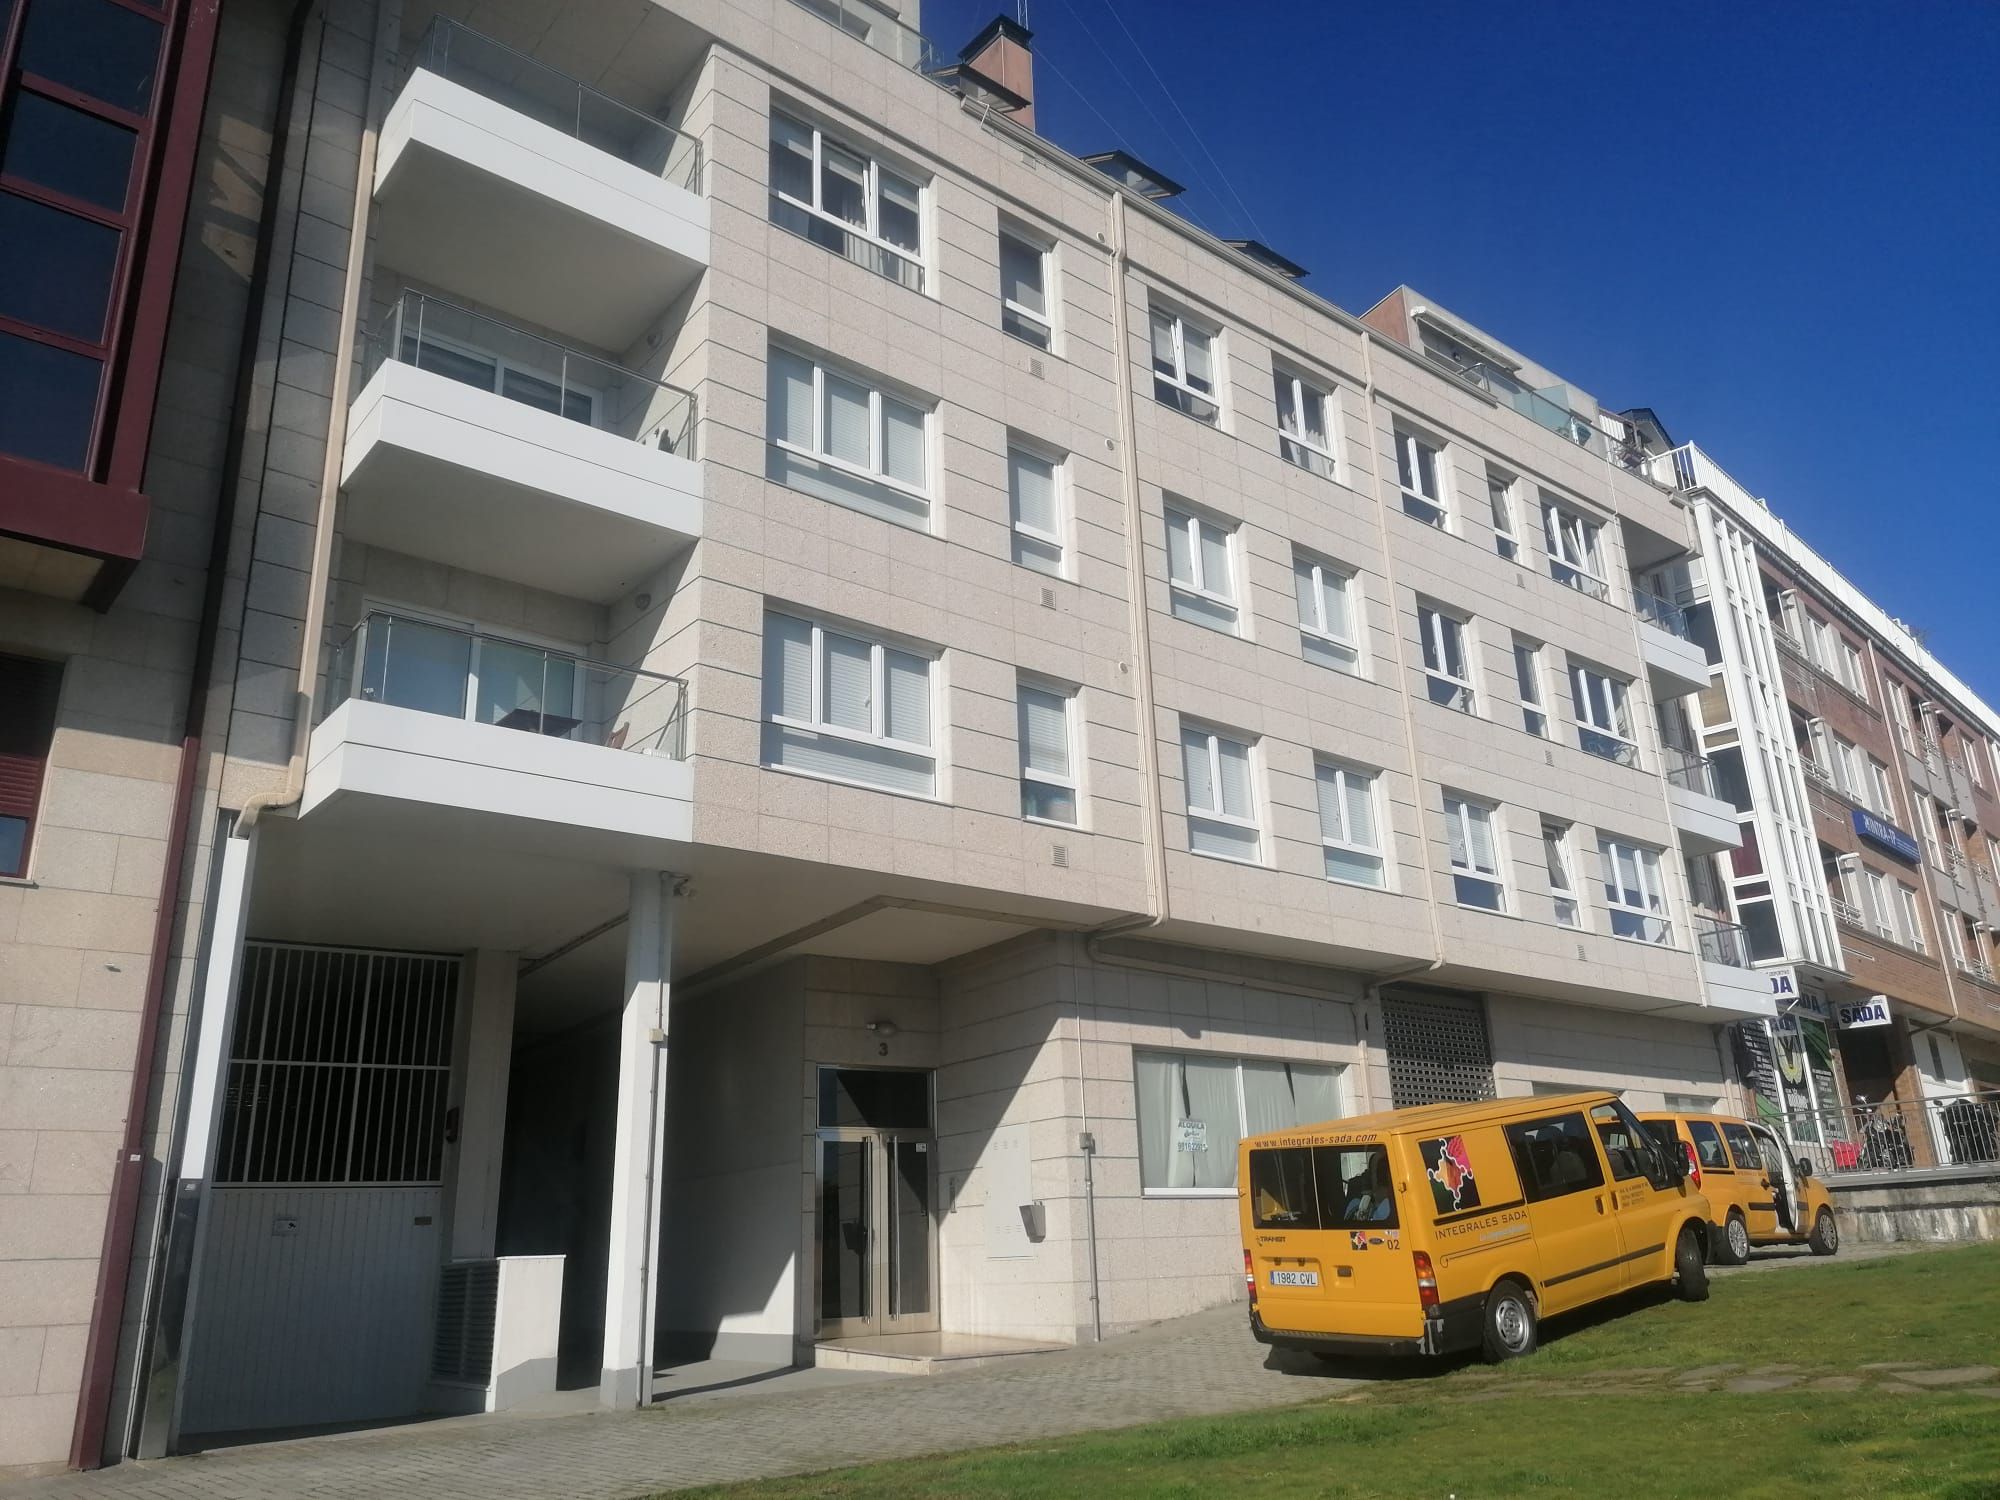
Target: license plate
{"points": [[1295, 1278]]}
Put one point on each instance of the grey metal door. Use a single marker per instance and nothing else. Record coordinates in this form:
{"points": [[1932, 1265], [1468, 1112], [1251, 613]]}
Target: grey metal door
{"points": [[876, 1234]]}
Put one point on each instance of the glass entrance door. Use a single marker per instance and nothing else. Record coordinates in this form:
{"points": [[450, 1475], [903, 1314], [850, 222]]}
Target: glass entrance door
{"points": [[877, 1229]]}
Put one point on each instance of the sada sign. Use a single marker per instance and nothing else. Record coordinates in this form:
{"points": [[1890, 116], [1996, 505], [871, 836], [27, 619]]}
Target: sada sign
{"points": [[1874, 1011]]}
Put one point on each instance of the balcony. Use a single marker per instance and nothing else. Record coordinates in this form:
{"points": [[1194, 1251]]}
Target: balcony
{"points": [[516, 186], [1728, 980], [1721, 942], [1707, 822], [880, 30], [481, 445], [569, 755], [1675, 665]]}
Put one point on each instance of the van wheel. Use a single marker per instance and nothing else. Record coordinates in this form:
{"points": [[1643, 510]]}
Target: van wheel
{"points": [[1690, 1266], [1825, 1238], [1732, 1248], [1510, 1322]]}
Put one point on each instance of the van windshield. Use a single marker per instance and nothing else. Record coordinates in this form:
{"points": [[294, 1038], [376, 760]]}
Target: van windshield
{"points": [[1321, 1187]]}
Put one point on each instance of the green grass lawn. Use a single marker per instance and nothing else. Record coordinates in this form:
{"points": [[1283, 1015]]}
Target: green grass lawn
{"points": [[1594, 1412]]}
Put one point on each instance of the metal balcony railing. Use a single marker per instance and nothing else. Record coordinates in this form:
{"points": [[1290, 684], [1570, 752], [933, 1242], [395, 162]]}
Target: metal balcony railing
{"points": [[1899, 1135], [531, 87], [1669, 617], [1846, 911], [1606, 746], [878, 29], [488, 354], [1689, 771], [1721, 942], [1978, 970], [429, 667]]}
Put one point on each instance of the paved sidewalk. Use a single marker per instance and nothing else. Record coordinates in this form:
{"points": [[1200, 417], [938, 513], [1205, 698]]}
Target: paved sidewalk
{"points": [[1192, 1366]]}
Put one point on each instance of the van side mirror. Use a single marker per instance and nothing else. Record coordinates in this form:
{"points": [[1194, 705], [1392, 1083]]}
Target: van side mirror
{"points": [[1804, 1167]]}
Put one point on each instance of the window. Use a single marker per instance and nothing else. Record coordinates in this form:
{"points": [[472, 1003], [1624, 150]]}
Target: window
{"points": [[1910, 922], [1528, 676], [1880, 796], [27, 728], [1500, 497], [1708, 1146], [1928, 818], [426, 344], [1418, 465], [1972, 759], [1475, 860], [1562, 883], [1184, 366], [1819, 641], [1787, 618], [1899, 708], [846, 708], [840, 436], [1348, 825], [1847, 773], [846, 201], [1852, 674], [1955, 938], [1446, 670], [1742, 1147], [1554, 1157], [1881, 909], [1322, 1187], [1305, 435], [1048, 753], [1634, 891], [1328, 625], [1034, 499], [1626, 1145], [1201, 566], [1194, 1109], [1574, 556], [1221, 803], [1025, 307], [1603, 714]]}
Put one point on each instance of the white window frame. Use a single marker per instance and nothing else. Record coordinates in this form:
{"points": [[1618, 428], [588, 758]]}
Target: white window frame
{"points": [[1436, 641], [878, 738], [1295, 445], [1500, 504], [1652, 913], [1201, 586], [1528, 682], [873, 473], [871, 192], [1045, 322], [1033, 548], [1909, 918], [1072, 782], [1927, 819], [1575, 545], [1324, 645], [1847, 773], [1190, 399], [1612, 740], [1345, 775], [1853, 671], [417, 335], [1459, 810], [1559, 855], [1820, 636], [1342, 1086], [1882, 795], [1881, 910], [1954, 937], [1430, 509], [479, 637], [1899, 709], [1217, 815]]}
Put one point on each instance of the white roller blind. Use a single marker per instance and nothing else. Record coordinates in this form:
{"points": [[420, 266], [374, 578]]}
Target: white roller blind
{"points": [[788, 667], [1235, 760], [1195, 766], [1480, 825], [791, 398], [1032, 481], [1454, 824], [1044, 729], [849, 683], [847, 420], [908, 682], [1360, 798], [1215, 561], [1180, 555], [1332, 811], [903, 442], [1163, 343], [1200, 368], [1021, 275]]}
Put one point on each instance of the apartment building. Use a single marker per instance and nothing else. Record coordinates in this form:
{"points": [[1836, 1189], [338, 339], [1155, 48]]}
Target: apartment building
{"points": [[821, 703], [1864, 773]]}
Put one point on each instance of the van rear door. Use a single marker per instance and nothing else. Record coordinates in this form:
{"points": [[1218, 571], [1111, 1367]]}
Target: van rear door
{"points": [[1326, 1241]]}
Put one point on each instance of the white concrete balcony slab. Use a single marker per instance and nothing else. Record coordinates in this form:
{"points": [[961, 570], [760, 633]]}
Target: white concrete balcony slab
{"points": [[1676, 665], [516, 186], [486, 448], [1745, 991], [534, 746]]}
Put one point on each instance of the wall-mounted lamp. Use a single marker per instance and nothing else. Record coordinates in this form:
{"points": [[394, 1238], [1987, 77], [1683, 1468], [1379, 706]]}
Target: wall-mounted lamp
{"points": [[884, 1029]]}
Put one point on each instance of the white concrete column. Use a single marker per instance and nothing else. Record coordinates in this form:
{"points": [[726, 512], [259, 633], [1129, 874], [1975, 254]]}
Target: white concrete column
{"points": [[632, 1275], [485, 1058]]}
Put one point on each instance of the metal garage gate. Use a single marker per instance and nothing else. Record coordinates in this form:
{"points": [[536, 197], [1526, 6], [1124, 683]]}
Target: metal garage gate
{"points": [[323, 1231], [1437, 1047]]}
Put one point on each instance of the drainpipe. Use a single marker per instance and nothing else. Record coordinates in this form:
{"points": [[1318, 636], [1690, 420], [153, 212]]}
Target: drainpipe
{"points": [[128, 1173], [319, 579]]}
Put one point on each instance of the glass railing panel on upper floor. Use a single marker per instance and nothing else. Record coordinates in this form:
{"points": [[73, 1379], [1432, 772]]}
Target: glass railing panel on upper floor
{"points": [[879, 28]]}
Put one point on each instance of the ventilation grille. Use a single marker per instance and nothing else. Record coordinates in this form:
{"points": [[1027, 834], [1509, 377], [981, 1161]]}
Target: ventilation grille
{"points": [[1438, 1051], [468, 1298], [1059, 856]]}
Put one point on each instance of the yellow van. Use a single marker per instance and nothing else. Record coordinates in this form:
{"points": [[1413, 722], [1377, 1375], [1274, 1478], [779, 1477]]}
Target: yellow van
{"points": [[1460, 1226], [1757, 1195]]}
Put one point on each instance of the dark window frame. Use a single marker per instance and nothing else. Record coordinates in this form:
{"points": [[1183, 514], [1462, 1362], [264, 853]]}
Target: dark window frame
{"points": [[1581, 1137], [1746, 1156], [30, 687]]}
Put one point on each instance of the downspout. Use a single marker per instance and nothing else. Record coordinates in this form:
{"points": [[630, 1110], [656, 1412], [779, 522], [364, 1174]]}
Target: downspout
{"points": [[128, 1171], [318, 581]]}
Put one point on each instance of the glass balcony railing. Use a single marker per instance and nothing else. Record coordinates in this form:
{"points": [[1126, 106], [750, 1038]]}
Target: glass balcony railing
{"points": [[1669, 617], [490, 355], [1530, 403], [531, 87], [879, 29], [456, 673], [1688, 771], [1721, 942]]}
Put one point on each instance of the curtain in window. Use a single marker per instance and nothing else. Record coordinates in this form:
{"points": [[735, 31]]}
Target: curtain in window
{"points": [[1210, 1097], [842, 180], [1157, 1081], [900, 212]]}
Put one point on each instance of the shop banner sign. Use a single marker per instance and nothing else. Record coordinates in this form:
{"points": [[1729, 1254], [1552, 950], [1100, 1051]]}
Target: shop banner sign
{"points": [[1885, 835], [1874, 1011]]}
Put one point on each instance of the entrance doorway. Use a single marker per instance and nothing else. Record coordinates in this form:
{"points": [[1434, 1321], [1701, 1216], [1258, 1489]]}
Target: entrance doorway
{"points": [[875, 1159]]}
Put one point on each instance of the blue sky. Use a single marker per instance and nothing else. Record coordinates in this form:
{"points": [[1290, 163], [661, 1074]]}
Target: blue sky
{"points": [[1777, 224]]}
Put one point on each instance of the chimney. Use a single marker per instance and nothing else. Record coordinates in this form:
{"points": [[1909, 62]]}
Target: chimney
{"points": [[997, 68]]}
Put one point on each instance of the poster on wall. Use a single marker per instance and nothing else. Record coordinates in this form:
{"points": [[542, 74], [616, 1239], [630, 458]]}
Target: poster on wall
{"points": [[1009, 1184], [1757, 1067]]}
